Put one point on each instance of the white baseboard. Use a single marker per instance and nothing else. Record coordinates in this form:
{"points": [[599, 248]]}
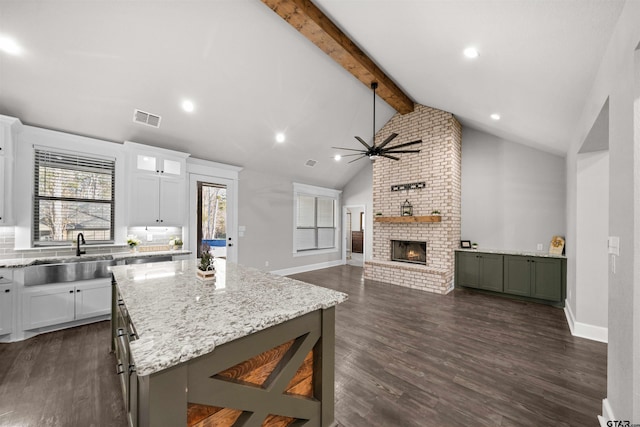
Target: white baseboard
{"points": [[607, 413], [584, 330], [309, 267]]}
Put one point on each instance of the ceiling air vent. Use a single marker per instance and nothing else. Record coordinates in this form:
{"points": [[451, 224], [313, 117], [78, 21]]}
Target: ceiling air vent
{"points": [[145, 118], [310, 163]]}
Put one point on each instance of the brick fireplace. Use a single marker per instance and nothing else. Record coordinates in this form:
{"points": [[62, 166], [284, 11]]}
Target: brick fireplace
{"points": [[438, 165]]}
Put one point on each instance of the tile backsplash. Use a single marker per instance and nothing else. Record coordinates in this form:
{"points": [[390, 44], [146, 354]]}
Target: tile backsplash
{"points": [[160, 236]]}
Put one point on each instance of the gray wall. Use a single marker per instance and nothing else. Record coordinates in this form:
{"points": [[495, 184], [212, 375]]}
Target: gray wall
{"points": [[618, 79], [513, 196], [266, 211], [359, 191]]}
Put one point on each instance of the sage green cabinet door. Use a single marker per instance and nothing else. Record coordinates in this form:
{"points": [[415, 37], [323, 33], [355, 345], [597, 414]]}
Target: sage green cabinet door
{"points": [[491, 273], [546, 279], [517, 275], [467, 270]]}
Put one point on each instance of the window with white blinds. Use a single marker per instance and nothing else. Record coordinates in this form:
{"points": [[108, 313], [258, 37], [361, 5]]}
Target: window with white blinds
{"points": [[315, 227], [73, 193]]}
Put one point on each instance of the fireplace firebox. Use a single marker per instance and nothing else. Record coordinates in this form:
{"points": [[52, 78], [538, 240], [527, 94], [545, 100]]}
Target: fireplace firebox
{"points": [[409, 251]]}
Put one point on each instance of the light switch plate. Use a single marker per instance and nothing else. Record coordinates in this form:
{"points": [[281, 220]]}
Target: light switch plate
{"points": [[614, 245]]}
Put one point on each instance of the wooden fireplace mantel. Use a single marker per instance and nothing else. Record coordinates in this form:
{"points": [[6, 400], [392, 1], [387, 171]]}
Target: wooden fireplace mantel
{"points": [[408, 219]]}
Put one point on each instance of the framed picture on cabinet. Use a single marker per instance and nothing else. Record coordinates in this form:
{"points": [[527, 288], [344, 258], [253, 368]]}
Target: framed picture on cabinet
{"points": [[465, 244]]}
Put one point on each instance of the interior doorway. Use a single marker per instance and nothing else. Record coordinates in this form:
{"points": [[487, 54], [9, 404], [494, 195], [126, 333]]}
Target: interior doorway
{"points": [[354, 235]]}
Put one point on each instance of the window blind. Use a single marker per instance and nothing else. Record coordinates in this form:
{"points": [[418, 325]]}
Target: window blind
{"points": [[73, 193]]}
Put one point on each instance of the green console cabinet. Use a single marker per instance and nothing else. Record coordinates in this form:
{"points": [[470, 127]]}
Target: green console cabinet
{"points": [[479, 270], [534, 278]]}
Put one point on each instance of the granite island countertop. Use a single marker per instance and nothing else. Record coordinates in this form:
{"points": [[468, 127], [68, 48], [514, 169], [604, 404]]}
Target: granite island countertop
{"points": [[513, 252], [177, 317], [25, 262]]}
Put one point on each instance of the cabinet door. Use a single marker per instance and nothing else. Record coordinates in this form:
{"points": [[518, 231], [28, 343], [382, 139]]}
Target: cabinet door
{"points": [[93, 298], [6, 309], [172, 201], [47, 305], [145, 200], [3, 182], [491, 272], [467, 269], [546, 279], [517, 275]]}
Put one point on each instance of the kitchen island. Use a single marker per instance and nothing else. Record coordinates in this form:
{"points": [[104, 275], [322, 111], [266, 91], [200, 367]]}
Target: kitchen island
{"points": [[249, 349]]}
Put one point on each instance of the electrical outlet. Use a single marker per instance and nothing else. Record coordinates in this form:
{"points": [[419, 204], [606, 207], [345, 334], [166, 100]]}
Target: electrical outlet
{"points": [[539, 246], [149, 237]]}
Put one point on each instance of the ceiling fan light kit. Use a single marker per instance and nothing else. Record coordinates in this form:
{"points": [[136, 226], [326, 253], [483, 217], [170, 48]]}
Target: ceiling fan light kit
{"points": [[374, 151]]}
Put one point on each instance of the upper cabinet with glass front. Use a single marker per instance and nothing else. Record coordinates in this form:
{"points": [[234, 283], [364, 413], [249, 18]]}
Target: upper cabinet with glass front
{"points": [[157, 186], [156, 161]]}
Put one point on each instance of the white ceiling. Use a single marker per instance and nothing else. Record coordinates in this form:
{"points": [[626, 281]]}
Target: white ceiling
{"points": [[86, 65]]}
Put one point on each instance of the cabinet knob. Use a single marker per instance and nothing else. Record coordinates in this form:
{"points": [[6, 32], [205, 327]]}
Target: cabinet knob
{"points": [[161, 171], [162, 220], [157, 220], [157, 171], [77, 290], [6, 291], [71, 291]]}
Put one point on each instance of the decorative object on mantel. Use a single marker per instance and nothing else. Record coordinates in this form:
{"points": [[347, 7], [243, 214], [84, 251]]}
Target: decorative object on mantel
{"points": [[557, 245], [378, 213], [465, 244], [408, 219], [206, 271], [435, 212], [406, 209], [133, 242], [474, 245], [411, 186], [372, 151]]}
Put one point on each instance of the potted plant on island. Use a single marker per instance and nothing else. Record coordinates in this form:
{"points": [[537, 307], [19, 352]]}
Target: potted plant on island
{"points": [[206, 271], [133, 243]]}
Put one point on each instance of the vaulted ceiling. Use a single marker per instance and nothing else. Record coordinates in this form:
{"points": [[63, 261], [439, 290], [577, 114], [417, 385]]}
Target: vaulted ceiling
{"points": [[86, 65]]}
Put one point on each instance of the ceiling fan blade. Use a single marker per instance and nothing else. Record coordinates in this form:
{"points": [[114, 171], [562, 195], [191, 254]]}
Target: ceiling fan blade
{"points": [[401, 151], [388, 140], [405, 144], [357, 159], [363, 143], [389, 157], [349, 149], [356, 154]]}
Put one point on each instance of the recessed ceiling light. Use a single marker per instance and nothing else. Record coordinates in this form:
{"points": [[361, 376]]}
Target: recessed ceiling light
{"points": [[280, 137], [9, 46], [188, 106], [471, 52], [495, 116], [337, 157]]}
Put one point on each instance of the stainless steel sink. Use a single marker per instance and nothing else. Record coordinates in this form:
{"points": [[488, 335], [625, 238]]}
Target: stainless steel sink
{"points": [[67, 270]]}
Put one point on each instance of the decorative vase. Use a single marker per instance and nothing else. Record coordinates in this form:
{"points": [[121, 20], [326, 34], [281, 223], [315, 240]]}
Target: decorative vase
{"points": [[133, 248]]}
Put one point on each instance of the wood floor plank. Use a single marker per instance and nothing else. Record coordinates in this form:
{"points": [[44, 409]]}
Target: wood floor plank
{"points": [[404, 358]]}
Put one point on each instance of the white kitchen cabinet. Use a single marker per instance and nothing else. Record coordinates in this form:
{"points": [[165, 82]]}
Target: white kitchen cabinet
{"points": [[6, 302], [9, 129], [157, 186], [157, 201], [93, 298], [2, 191], [48, 305]]}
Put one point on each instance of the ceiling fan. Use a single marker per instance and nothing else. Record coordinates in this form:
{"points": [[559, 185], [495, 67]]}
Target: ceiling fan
{"points": [[374, 151]]}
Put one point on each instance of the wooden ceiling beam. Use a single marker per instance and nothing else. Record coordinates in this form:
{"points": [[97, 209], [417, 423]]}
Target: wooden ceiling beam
{"points": [[305, 17]]}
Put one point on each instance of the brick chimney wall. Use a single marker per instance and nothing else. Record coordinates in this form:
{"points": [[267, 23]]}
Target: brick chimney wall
{"points": [[439, 165]]}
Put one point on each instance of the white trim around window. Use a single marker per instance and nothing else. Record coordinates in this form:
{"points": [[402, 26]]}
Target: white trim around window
{"points": [[316, 231]]}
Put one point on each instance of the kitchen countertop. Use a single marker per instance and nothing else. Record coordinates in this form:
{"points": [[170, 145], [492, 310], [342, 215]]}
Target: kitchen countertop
{"points": [[177, 317], [25, 262], [510, 252]]}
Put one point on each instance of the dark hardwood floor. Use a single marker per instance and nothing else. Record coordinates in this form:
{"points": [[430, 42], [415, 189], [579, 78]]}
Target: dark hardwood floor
{"points": [[403, 358]]}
